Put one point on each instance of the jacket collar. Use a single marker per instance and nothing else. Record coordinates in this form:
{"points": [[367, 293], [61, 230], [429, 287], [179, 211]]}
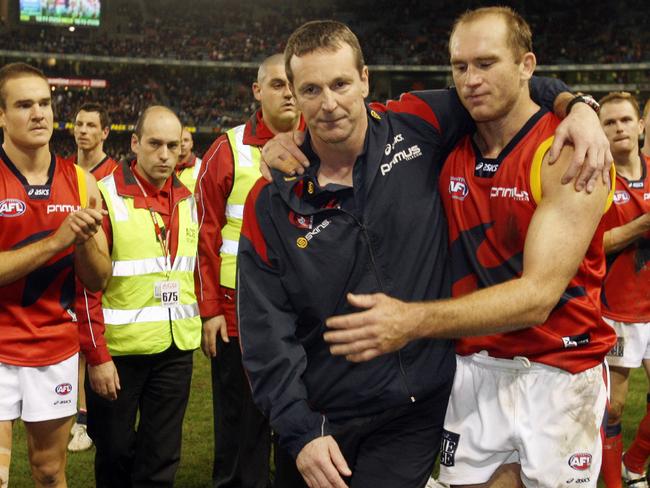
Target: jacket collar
{"points": [[127, 185]]}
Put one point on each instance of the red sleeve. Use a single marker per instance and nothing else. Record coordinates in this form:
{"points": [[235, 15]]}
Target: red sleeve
{"points": [[90, 319], [212, 190], [411, 104], [251, 228]]}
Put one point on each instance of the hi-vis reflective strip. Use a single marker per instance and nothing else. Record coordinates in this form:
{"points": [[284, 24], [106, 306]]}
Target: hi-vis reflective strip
{"points": [[235, 211], [229, 247], [139, 267], [245, 152], [149, 314], [119, 207]]}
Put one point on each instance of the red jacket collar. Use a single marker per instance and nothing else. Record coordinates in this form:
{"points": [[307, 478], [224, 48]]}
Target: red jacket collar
{"points": [[188, 164], [127, 186], [257, 133]]}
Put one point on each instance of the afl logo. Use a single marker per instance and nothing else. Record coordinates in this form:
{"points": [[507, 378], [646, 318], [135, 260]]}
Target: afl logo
{"points": [[63, 389], [621, 197], [12, 207], [580, 461], [301, 242], [458, 188]]}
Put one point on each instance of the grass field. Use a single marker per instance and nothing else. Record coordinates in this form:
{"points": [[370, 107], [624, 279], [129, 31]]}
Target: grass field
{"points": [[196, 461]]}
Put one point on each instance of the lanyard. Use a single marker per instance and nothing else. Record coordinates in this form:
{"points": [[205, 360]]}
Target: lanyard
{"points": [[163, 238]]}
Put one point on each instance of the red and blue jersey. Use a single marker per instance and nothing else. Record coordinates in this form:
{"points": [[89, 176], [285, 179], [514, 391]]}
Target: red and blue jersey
{"points": [[626, 289], [36, 325], [489, 204]]}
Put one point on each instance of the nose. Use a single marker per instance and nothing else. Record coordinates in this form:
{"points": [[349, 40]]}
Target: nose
{"points": [[329, 103], [472, 77], [619, 126], [286, 93], [37, 112], [163, 154]]}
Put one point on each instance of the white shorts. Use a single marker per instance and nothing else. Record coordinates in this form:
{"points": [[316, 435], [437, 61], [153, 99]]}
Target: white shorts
{"points": [[632, 344], [505, 411], [42, 393]]}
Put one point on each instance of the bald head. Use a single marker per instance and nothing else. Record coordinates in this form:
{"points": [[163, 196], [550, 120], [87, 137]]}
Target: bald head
{"points": [[276, 59], [154, 111]]}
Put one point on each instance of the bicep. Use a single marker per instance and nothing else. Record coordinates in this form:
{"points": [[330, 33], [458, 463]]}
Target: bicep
{"points": [[562, 226]]}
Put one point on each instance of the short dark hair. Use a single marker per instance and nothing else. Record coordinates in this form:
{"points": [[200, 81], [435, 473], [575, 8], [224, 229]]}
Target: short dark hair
{"points": [[104, 119], [16, 70], [329, 35]]}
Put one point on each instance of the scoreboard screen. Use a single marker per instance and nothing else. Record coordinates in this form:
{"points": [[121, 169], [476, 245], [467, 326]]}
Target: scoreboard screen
{"points": [[61, 12]]}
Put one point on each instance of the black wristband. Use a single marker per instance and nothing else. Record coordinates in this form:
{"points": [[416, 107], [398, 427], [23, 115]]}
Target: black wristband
{"points": [[589, 100]]}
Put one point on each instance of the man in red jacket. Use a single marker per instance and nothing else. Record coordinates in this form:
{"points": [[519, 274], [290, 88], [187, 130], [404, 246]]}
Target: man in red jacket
{"points": [[230, 168]]}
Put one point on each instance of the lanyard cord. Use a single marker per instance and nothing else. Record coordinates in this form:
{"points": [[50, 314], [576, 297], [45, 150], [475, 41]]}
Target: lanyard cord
{"points": [[163, 239]]}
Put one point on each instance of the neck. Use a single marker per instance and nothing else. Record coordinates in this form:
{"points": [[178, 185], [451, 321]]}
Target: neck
{"points": [[90, 158], [493, 136], [337, 159], [628, 164], [158, 183], [646, 145], [184, 159], [279, 126], [33, 163]]}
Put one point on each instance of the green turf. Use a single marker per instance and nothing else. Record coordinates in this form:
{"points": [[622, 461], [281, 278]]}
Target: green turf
{"points": [[196, 460]]}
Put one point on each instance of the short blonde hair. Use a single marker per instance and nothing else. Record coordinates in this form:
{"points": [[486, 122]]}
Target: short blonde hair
{"points": [[621, 96]]}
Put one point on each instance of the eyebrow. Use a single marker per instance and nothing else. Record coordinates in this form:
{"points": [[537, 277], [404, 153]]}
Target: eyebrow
{"points": [[31, 100]]}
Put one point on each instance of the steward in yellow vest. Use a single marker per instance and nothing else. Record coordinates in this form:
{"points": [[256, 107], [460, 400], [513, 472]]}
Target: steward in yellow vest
{"points": [[189, 165], [150, 310]]}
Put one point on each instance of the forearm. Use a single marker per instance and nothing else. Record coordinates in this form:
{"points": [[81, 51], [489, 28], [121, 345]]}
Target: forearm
{"points": [[619, 238], [18, 263], [92, 263], [561, 103], [513, 305]]}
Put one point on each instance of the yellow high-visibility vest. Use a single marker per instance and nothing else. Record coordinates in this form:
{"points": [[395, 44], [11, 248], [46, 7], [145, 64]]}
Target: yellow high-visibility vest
{"points": [[136, 321]]}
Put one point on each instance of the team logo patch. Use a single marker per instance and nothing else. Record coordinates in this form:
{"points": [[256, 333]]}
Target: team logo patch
{"points": [[637, 185], [301, 221], [301, 242], [12, 207], [38, 192], [458, 188], [621, 197], [63, 389], [575, 341], [580, 461], [375, 115], [448, 448], [483, 169]]}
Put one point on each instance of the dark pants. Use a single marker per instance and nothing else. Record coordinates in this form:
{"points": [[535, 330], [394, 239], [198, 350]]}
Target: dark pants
{"points": [[242, 439], [394, 449], [158, 387]]}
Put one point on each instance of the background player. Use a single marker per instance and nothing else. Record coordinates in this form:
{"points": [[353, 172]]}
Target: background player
{"points": [[91, 128], [44, 233], [241, 432], [189, 165], [625, 295]]}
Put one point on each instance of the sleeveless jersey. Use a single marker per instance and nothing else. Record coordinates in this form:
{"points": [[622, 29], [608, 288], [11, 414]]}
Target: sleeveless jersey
{"points": [[36, 326], [489, 204], [626, 289]]}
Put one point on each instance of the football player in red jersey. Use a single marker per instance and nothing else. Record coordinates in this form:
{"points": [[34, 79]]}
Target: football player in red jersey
{"points": [[51, 228], [527, 262], [626, 303], [91, 128]]}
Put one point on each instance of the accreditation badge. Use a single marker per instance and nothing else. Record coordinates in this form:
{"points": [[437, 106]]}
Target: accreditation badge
{"points": [[168, 292]]}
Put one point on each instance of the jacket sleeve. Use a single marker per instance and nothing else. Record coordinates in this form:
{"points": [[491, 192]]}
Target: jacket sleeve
{"points": [[274, 359], [90, 319], [212, 190], [544, 90]]}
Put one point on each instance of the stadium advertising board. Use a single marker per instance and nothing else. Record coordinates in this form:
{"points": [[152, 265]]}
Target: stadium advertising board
{"points": [[61, 12]]}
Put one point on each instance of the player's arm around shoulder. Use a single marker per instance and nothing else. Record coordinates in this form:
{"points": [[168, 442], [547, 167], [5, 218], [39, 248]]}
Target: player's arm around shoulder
{"points": [[561, 229]]}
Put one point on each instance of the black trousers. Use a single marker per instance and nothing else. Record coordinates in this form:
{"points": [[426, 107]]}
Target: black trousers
{"points": [[394, 449], [156, 386], [242, 438]]}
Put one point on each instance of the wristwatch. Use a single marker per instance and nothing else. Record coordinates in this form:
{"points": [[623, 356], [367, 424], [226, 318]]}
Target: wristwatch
{"points": [[580, 98]]}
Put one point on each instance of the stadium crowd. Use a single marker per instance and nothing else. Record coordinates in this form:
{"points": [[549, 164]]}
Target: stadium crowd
{"points": [[402, 33]]}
